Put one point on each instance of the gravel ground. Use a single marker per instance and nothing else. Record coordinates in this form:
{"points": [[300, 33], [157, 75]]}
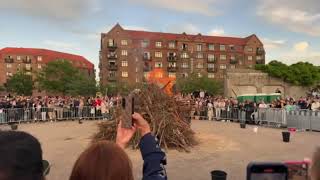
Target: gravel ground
{"points": [[222, 146]]}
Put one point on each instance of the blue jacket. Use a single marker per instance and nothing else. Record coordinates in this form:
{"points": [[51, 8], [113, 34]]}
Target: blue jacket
{"points": [[154, 158]]}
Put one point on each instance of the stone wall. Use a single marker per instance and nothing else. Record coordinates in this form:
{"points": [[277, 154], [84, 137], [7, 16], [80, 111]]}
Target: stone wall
{"points": [[248, 81]]}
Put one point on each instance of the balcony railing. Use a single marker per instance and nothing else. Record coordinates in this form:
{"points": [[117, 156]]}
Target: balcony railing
{"points": [[172, 58], [260, 51], [172, 69], [211, 69], [112, 78], [233, 61], [112, 56], [8, 60], [112, 46], [112, 67], [27, 61]]}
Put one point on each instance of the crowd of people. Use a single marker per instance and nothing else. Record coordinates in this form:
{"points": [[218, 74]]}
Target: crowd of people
{"points": [[50, 108]]}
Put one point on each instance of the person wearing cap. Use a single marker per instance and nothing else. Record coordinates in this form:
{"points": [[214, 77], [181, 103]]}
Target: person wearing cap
{"points": [[21, 157]]}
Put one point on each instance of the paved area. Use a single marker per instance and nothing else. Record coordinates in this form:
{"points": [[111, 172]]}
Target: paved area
{"points": [[222, 146]]}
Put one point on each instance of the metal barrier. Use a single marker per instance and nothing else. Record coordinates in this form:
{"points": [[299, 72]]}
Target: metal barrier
{"points": [[271, 117], [304, 120], [19, 115]]}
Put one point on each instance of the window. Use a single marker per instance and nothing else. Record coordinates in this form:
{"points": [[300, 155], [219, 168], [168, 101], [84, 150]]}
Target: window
{"points": [[28, 66], [137, 80], [210, 75], [159, 75], [199, 65], [172, 75], [158, 65], [249, 58], [158, 44], [158, 54], [184, 47], [249, 49], [137, 69], [185, 65], [223, 66], [223, 57], [232, 48], [124, 53], [124, 74], [9, 73], [172, 64], [233, 57], [9, 65], [171, 54], [184, 55], [211, 47], [184, 75], [111, 42], [144, 43], [124, 63], [232, 66], [39, 66], [19, 58], [124, 42], [199, 75], [222, 47], [172, 45], [28, 73], [199, 47], [146, 55], [210, 65], [259, 58], [211, 57], [199, 56], [39, 58]]}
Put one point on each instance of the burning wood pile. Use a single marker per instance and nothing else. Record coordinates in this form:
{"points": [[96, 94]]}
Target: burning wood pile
{"points": [[168, 121]]}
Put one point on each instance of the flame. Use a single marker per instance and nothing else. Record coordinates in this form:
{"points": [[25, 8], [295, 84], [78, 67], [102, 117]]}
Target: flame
{"points": [[157, 76]]}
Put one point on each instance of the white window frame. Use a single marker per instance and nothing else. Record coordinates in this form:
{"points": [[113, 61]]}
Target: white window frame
{"points": [[211, 57], [39, 58], [124, 42], [39, 66], [199, 75], [172, 45], [158, 54], [124, 74], [210, 65], [250, 58], [259, 58], [223, 66], [232, 66], [222, 49], [8, 65], [124, 63], [211, 47], [158, 44], [172, 75], [249, 49], [124, 52], [211, 75], [199, 56], [19, 58], [199, 47], [185, 65], [184, 55], [223, 57], [158, 65], [199, 65]]}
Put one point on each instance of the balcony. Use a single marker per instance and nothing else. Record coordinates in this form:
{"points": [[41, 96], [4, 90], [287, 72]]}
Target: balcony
{"points": [[26, 61], [112, 67], [112, 56], [112, 78], [28, 68], [260, 51], [233, 61], [212, 60], [8, 60], [112, 47], [146, 58], [172, 69], [172, 58], [147, 68], [211, 70]]}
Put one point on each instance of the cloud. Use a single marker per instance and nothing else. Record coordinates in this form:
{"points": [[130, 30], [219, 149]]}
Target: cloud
{"points": [[216, 32], [180, 28], [301, 46], [272, 44], [295, 15], [52, 9], [60, 46], [203, 7]]}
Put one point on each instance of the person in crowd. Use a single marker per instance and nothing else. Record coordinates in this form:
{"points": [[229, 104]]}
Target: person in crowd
{"points": [[108, 161], [315, 168], [210, 111], [20, 157]]}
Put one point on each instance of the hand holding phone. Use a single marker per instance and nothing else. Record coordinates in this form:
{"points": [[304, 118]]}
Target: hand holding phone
{"points": [[127, 111]]}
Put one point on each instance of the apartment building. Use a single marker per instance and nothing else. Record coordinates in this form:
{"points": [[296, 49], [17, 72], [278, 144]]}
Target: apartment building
{"points": [[31, 60], [129, 56]]}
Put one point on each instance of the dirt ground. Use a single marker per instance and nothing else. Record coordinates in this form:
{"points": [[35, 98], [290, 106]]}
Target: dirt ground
{"points": [[223, 146]]}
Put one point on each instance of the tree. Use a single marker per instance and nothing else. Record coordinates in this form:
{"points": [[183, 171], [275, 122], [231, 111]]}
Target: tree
{"points": [[116, 88], [195, 83], [21, 84], [61, 77], [302, 73], [2, 88]]}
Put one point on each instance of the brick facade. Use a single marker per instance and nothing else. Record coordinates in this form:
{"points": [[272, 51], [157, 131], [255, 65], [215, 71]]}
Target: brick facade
{"points": [[128, 56], [32, 60]]}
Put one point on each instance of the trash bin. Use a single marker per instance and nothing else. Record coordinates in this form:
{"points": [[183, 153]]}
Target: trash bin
{"points": [[243, 125], [286, 136], [218, 175]]}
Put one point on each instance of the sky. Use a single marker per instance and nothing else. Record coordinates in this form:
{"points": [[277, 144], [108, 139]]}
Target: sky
{"points": [[289, 29]]}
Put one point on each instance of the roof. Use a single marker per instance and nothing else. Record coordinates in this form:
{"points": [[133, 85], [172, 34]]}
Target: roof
{"points": [[48, 55], [172, 36]]}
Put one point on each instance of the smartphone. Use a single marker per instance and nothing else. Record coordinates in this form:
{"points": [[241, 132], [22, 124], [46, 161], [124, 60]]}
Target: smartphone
{"points": [[127, 111], [267, 171], [298, 170]]}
